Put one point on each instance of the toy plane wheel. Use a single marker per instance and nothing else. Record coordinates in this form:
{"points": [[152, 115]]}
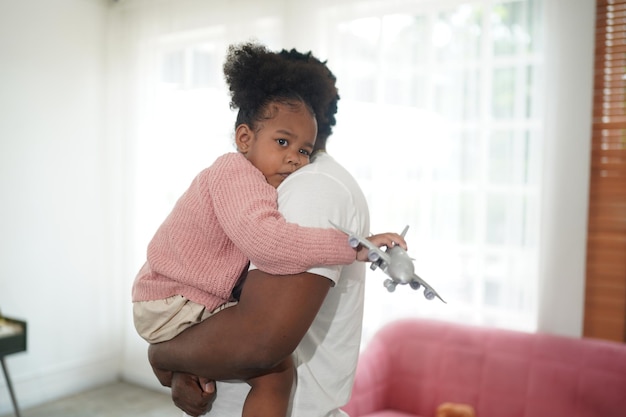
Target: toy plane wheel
{"points": [[390, 285], [429, 294], [415, 285], [373, 266]]}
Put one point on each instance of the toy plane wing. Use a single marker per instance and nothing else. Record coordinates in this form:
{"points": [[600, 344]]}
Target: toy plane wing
{"points": [[375, 253], [429, 292], [394, 262]]}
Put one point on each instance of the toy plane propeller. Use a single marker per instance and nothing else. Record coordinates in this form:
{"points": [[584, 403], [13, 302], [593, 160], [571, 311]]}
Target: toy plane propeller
{"points": [[394, 261]]}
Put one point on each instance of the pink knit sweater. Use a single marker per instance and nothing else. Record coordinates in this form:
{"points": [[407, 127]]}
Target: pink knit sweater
{"points": [[228, 216]]}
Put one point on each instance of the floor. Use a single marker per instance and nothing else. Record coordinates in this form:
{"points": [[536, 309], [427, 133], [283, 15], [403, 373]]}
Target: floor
{"points": [[116, 400]]}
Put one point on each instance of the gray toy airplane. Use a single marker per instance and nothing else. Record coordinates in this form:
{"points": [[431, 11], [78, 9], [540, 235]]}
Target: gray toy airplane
{"points": [[394, 261]]}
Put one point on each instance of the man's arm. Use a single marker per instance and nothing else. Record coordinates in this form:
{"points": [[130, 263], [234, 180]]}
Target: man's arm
{"points": [[249, 339]]}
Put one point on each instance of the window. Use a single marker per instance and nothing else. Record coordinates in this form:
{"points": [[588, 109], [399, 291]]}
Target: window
{"points": [[440, 100]]}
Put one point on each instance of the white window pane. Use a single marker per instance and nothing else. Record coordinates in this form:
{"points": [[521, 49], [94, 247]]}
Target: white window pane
{"points": [[455, 137]]}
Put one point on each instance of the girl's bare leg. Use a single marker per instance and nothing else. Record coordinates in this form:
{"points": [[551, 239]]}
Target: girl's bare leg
{"points": [[270, 393]]}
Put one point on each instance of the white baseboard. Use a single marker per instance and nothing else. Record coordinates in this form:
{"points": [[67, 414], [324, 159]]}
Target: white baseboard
{"points": [[57, 382], [144, 380]]}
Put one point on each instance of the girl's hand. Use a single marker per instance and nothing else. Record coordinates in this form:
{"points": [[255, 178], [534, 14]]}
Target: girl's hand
{"points": [[388, 240]]}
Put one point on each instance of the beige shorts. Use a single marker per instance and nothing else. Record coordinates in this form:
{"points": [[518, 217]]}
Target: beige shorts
{"points": [[161, 320]]}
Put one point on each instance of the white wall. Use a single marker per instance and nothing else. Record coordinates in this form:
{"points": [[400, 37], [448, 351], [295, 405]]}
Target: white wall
{"points": [[56, 242], [567, 135]]}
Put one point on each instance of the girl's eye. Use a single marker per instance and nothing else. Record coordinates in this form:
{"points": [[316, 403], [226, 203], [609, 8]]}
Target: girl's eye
{"points": [[305, 152], [282, 142]]}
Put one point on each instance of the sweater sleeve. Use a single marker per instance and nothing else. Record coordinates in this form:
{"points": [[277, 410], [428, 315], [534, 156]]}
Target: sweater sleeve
{"points": [[247, 209]]}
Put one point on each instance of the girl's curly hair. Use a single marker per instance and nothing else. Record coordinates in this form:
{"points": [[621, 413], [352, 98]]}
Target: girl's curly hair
{"points": [[257, 76]]}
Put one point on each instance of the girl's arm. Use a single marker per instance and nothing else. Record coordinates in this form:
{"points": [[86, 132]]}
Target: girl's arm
{"points": [[247, 209]]}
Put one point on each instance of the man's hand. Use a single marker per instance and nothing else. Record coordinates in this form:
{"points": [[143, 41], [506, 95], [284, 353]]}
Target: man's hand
{"points": [[192, 394]]}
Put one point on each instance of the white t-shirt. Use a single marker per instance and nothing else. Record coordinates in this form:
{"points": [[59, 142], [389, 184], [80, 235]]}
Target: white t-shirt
{"points": [[326, 358]]}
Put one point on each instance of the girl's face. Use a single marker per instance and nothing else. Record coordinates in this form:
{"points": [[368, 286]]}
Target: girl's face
{"points": [[281, 144]]}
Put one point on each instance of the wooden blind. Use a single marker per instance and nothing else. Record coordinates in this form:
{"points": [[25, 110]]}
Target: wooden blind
{"points": [[605, 294]]}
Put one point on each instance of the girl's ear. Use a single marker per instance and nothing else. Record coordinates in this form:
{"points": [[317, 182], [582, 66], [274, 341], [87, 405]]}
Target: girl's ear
{"points": [[243, 137]]}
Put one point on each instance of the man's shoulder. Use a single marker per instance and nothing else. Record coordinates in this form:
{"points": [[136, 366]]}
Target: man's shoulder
{"points": [[323, 171], [323, 162], [322, 191]]}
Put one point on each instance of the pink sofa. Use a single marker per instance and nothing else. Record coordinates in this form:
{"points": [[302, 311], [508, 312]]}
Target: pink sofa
{"points": [[411, 366]]}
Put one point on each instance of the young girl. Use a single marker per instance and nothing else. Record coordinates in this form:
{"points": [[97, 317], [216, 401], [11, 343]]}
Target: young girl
{"points": [[229, 215]]}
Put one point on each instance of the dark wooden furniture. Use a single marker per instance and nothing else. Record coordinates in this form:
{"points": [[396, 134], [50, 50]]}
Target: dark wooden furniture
{"points": [[12, 340]]}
